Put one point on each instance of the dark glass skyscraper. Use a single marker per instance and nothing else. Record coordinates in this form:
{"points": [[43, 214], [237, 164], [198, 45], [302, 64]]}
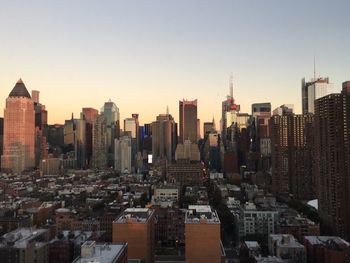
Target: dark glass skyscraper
{"points": [[188, 121]]}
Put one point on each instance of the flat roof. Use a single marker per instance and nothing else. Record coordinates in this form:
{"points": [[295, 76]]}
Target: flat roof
{"points": [[103, 253]]}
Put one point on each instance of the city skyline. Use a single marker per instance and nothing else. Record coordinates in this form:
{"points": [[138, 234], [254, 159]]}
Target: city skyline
{"points": [[166, 52]]}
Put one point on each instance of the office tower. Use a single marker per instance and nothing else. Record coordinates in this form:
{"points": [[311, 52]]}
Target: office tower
{"points": [[332, 160], [135, 226], [1, 137], [74, 140], [283, 109], [123, 154], [112, 116], [55, 139], [313, 90], [164, 137], [19, 130], [188, 121], [148, 129], [292, 143], [228, 112], [41, 128], [89, 115], [208, 127], [202, 235], [261, 112], [99, 142], [131, 127]]}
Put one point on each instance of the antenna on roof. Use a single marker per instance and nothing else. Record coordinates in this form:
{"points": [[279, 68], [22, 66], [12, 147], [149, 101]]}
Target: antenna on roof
{"points": [[167, 109], [314, 68], [231, 85]]}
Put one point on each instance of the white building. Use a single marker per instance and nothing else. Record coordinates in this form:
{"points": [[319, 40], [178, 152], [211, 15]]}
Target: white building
{"points": [[316, 91]]}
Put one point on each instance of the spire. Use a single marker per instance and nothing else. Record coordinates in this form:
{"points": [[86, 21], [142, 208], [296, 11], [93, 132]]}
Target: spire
{"points": [[314, 68], [231, 85], [20, 81], [167, 109], [214, 126]]}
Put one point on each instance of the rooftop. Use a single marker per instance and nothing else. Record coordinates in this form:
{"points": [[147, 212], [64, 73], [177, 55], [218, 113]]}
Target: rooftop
{"points": [[201, 214], [135, 215], [99, 253], [334, 242], [20, 237]]}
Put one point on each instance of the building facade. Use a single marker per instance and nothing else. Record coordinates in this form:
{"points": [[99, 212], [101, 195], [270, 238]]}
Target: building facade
{"points": [[19, 130]]}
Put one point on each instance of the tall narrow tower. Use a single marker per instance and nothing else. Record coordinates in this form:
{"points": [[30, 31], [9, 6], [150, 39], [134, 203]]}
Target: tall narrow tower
{"points": [[19, 130], [188, 120]]}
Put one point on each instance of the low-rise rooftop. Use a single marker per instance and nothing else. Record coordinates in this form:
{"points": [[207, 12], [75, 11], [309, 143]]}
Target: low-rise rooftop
{"points": [[201, 214], [135, 215]]}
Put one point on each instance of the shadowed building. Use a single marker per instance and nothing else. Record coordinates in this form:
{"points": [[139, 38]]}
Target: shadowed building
{"points": [[332, 160], [164, 137], [89, 115], [19, 130], [188, 121]]}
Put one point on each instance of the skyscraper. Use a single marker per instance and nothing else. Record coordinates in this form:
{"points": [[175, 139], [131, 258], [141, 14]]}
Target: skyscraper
{"points": [[89, 115], [123, 154], [41, 129], [332, 160], [99, 142], [188, 121], [112, 116], [312, 90], [164, 137], [229, 111], [19, 130]]}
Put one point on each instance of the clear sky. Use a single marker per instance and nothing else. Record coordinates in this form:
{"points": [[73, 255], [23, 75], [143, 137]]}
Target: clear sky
{"points": [[145, 55]]}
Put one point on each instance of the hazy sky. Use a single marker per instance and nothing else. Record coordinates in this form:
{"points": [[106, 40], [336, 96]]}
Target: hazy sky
{"points": [[145, 55]]}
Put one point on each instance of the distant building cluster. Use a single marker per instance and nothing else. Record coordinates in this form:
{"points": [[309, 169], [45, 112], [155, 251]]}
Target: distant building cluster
{"points": [[100, 189]]}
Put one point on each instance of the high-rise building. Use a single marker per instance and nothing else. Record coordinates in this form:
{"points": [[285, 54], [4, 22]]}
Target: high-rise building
{"points": [[99, 142], [332, 160], [229, 111], [89, 115], [112, 116], [292, 144], [208, 127], [164, 137], [278, 126], [283, 109], [19, 130], [41, 129], [55, 138], [123, 154], [135, 226], [188, 121], [202, 235], [131, 127], [313, 90], [74, 140], [261, 112]]}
